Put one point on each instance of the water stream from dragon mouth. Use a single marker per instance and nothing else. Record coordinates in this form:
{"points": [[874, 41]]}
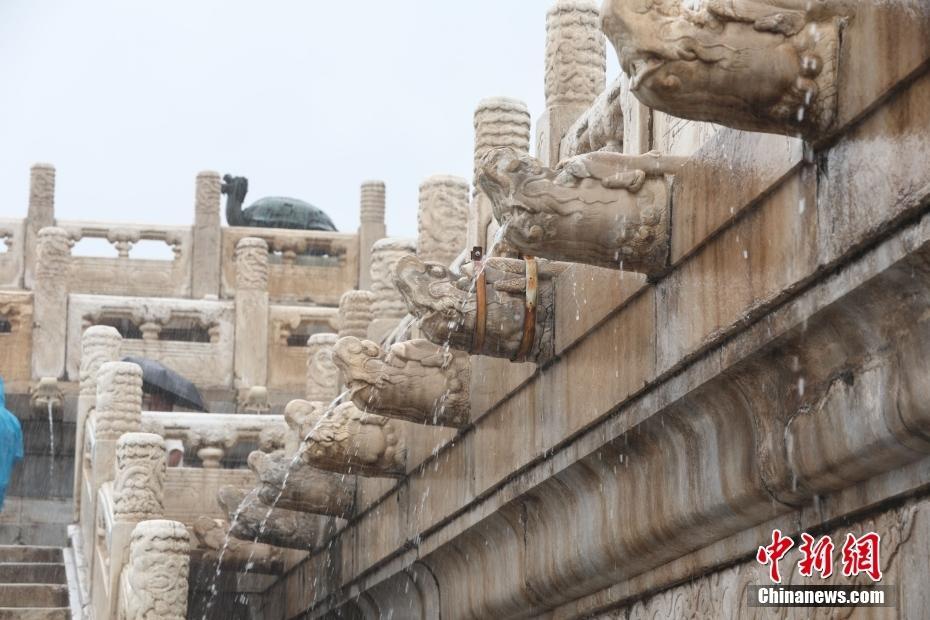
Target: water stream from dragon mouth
{"points": [[51, 442], [252, 497]]}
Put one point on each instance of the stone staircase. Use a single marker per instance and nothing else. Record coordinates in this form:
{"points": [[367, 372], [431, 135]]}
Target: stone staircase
{"points": [[33, 584]]}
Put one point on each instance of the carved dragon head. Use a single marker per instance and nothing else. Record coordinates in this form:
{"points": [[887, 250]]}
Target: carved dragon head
{"points": [[350, 439], [361, 364], [302, 415], [747, 64], [522, 195], [591, 208], [432, 293]]}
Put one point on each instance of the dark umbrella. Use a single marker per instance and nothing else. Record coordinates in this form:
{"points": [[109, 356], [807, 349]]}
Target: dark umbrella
{"points": [[156, 377]]}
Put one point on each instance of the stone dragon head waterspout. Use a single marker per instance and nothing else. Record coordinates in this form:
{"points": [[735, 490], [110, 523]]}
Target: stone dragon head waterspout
{"points": [[602, 208], [486, 315], [414, 380], [758, 65], [347, 440]]}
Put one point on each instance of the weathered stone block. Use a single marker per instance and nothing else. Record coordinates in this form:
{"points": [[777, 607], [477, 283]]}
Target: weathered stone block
{"points": [[738, 272]]}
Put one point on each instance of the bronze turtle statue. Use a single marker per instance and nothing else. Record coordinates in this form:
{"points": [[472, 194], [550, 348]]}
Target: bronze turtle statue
{"points": [[271, 211]]}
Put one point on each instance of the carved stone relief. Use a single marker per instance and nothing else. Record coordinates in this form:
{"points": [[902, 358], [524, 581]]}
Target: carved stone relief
{"points": [[273, 438], [256, 401], [388, 308], [600, 128], [99, 344], [50, 302], [499, 122]]}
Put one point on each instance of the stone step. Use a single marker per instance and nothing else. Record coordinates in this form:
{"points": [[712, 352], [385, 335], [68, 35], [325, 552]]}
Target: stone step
{"points": [[23, 553], [32, 572], [35, 613], [33, 595]]}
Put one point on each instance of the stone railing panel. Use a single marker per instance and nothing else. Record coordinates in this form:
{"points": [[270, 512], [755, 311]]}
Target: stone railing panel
{"points": [[304, 266], [15, 339], [214, 431], [190, 492], [288, 352], [126, 275], [156, 323]]}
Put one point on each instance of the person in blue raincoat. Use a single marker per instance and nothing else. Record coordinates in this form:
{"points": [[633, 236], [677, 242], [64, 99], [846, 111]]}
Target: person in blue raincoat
{"points": [[11, 443]]}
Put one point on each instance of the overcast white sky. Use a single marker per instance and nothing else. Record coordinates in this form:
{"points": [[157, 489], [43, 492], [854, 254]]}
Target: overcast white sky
{"points": [[130, 99]]}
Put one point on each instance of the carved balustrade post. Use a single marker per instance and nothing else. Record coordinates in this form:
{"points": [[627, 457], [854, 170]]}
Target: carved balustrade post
{"points": [[50, 307], [205, 263], [388, 307], [322, 374], [273, 438], [442, 218], [322, 379], [118, 411], [41, 214], [576, 63], [251, 351], [139, 485], [499, 122], [355, 313], [137, 495], [99, 344], [371, 228], [154, 584]]}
